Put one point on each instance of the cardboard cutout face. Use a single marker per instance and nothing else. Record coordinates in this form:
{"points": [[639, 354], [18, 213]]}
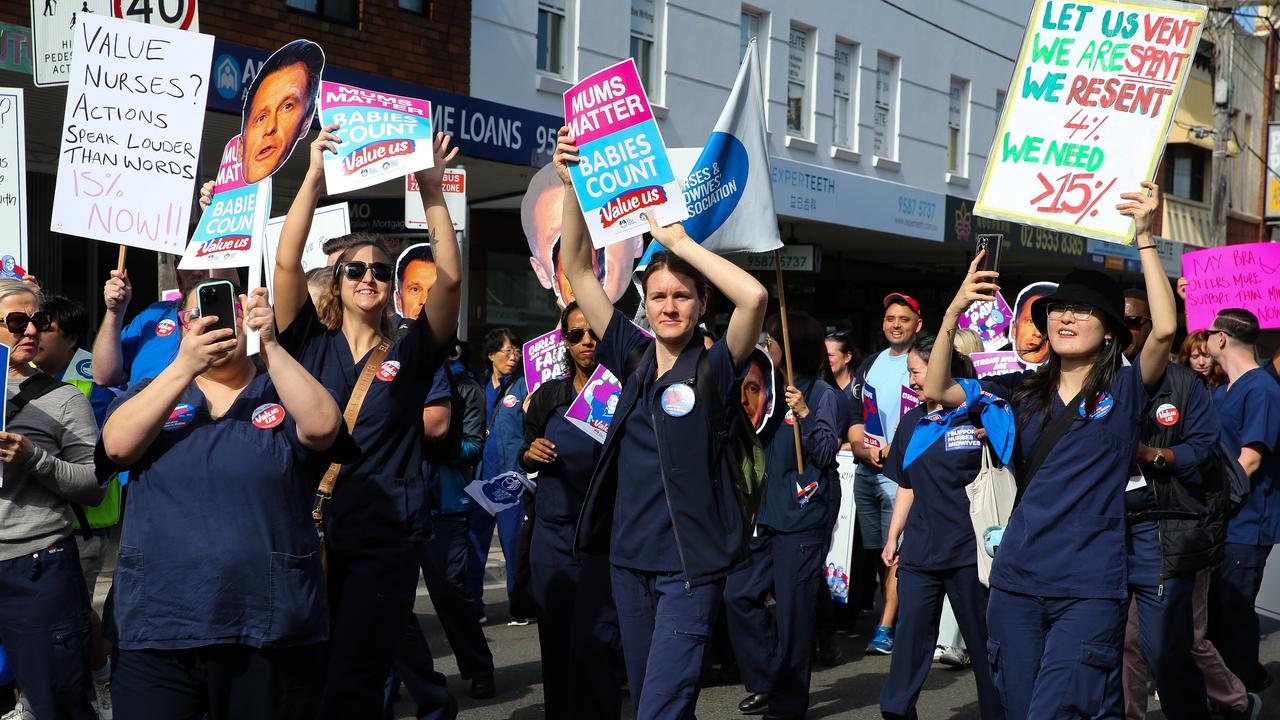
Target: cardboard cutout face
{"points": [[1030, 344], [758, 389], [279, 107], [415, 274]]}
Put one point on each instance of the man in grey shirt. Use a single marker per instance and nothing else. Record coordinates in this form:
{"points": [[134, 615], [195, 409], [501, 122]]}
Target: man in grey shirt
{"points": [[47, 455]]}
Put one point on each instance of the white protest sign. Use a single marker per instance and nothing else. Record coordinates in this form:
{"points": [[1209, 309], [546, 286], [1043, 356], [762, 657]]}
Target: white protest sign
{"points": [[13, 185], [1093, 95], [330, 221], [455, 198], [131, 134], [51, 24], [177, 14]]}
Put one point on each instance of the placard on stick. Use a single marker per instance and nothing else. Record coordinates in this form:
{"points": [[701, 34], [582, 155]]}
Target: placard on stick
{"points": [[1235, 276], [131, 133], [231, 230], [1093, 94], [13, 185]]}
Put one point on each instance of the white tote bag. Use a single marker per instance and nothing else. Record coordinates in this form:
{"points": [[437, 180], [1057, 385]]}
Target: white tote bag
{"points": [[991, 496]]}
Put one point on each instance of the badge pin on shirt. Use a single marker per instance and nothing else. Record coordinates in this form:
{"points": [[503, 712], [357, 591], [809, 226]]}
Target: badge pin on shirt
{"points": [[804, 494]]}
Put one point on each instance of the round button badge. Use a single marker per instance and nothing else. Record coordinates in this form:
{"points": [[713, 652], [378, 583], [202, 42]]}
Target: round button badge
{"points": [[387, 372], [678, 400], [268, 416], [1167, 415]]}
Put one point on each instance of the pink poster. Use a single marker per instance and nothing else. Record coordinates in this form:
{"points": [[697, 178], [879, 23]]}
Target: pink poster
{"points": [[910, 399], [996, 363], [1235, 276], [990, 320], [384, 137]]}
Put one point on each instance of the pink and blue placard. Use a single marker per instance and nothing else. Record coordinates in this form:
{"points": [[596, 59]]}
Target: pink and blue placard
{"points": [[237, 215], [384, 137]]}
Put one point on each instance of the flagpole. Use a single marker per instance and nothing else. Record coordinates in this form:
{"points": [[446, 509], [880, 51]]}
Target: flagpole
{"points": [[786, 353]]}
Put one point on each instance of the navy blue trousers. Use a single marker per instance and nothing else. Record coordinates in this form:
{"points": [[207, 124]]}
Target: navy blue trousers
{"points": [[44, 624], [444, 564], [582, 668], [1053, 658], [665, 631], [775, 651], [920, 594], [1233, 622], [509, 522]]}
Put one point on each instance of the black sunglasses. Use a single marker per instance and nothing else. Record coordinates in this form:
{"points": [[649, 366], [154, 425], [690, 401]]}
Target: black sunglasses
{"points": [[575, 335], [1135, 322], [17, 322], [355, 270]]}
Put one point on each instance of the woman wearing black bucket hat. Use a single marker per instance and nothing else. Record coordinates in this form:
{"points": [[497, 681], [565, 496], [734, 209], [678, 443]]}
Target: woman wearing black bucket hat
{"points": [[1058, 586]]}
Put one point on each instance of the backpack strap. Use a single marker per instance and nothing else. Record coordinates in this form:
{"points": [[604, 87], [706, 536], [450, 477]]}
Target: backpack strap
{"points": [[34, 388], [1047, 440]]}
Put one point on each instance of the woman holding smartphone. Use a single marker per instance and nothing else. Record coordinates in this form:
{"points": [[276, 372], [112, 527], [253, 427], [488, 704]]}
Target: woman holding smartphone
{"points": [[661, 501], [1058, 586], [219, 598], [379, 509]]}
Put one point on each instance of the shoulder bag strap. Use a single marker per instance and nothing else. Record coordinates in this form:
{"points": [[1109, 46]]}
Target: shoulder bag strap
{"points": [[325, 491], [1046, 442]]}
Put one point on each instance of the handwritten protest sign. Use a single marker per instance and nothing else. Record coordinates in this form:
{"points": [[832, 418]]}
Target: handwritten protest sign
{"points": [[328, 222], [384, 137], [131, 134], [542, 359], [1092, 98], [990, 320], [455, 198], [13, 185], [996, 363], [624, 171], [232, 228], [1235, 276], [592, 411]]}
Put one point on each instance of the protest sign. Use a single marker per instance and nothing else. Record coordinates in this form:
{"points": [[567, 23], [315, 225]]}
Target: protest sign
{"points": [[623, 172], [910, 399], [1088, 112], [996, 363], [455, 198], [275, 117], [592, 411], [990, 320], [13, 185], [1235, 276], [542, 359], [840, 556], [177, 14], [874, 435], [52, 23], [384, 137], [131, 134], [329, 221], [499, 493], [231, 230]]}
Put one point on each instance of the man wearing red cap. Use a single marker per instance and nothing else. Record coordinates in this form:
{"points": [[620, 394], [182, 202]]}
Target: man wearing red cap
{"points": [[877, 406]]}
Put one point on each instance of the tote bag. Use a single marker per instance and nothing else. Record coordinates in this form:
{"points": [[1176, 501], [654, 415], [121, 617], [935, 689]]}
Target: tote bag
{"points": [[991, 496]]}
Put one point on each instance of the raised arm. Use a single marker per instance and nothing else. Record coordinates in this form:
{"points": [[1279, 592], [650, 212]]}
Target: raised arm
{"points": [[1141, 207], [575, 245], [314, 410], [446, 294], [108, 355], [289, 286], [939, 386]]}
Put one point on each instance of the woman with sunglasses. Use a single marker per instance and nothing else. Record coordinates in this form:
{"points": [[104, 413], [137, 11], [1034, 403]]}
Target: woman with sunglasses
{"points": [[662, 499], [577, 623], [379, 510], [1059, 593], [47, 455], [219, 600]]}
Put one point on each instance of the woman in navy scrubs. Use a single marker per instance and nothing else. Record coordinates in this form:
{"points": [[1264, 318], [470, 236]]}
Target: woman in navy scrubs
{"points": [[1058, 586], [380, 509], [935, 454], [219, 592], [577, 623], [662, 501]]}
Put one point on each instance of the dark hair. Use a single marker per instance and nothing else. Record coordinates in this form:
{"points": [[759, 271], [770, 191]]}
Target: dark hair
{"points": [[845, 342], [416, 252], [961, 365], [496, 338], [1042, 385], [808, 341], [1136, 293], [70, 315], [564, 364], [674, 264], [1239, 325], [298, 51], [564, 316]]}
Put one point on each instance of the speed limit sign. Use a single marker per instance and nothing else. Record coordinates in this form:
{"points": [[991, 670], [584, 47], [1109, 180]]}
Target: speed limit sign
{"points": [[177, 14]]}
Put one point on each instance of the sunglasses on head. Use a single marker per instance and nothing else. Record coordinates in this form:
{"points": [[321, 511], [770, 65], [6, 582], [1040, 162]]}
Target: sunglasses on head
{"points": [[355, 270], [17, 322], [575, 335]]}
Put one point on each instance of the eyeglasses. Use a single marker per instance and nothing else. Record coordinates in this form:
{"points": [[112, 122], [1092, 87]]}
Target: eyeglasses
{"points": [[507, 351], [17, 322], [1135, 322], [575, 335], [1080, 311], [355, 270]]}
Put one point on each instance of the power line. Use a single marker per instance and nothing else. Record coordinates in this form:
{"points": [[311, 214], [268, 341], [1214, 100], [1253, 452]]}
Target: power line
{"points": [[948, 31]]}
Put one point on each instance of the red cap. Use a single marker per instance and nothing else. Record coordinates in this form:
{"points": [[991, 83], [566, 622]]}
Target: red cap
{"points": [[902, 299]]}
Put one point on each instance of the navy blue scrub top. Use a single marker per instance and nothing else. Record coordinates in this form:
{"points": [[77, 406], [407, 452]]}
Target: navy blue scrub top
{"points": [[1250, 412], [938, 534], [1066, 537], [381, 497], [643, 538], [562, 485], [217, 544]]}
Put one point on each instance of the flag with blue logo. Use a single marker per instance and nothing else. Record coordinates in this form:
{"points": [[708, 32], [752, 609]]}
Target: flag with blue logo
{"points": [[728, 189]]}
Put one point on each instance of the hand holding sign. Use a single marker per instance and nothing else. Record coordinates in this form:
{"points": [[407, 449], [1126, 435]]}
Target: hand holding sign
{"points": [[258, 316], [1141, 206], [566, 153], [430, 179]]}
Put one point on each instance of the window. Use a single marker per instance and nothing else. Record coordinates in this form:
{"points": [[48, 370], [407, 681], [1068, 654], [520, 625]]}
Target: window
{"points": [[749, 27], [842, 116], [798, 83], [418, 6], [642, 36], [551, 28], [957, 136], [1186, 165], [341, 11], [886, 120]]}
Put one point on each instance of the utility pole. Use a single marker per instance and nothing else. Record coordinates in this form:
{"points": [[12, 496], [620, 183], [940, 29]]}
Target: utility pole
{"points": [[1224, 34]]}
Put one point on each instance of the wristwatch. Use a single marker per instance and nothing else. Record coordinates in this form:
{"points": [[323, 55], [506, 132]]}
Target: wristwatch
{"points": [[1159, 462]]}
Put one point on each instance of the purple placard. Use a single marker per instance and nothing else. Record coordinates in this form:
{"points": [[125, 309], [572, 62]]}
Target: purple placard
{"points": [[996, 363], [990, 320], [542, 359], [592, 411], [910, 399]]}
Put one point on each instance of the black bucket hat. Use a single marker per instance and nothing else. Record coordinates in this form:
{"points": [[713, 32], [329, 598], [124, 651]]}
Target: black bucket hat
{"points": [[1094, 288]]}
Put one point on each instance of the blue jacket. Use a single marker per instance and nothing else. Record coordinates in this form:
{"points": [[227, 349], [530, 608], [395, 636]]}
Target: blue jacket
{"points": [[783, 508], [505, 431]]}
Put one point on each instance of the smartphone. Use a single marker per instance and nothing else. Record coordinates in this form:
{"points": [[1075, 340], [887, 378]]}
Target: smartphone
{"points": [[218, 297], [991, 243]]}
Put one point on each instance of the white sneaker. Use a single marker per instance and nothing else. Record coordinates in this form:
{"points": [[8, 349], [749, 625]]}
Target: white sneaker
{"points": [[954, 657], [19, 713], [102, 699], [937, 653]]}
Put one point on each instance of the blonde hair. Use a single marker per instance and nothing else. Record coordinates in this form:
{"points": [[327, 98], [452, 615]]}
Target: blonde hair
{"points": [[329, 309], [967, 341], [14, 287]]}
